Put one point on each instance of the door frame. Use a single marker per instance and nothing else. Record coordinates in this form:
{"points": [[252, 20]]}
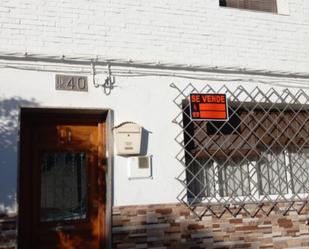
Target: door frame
{"points": [[105, 115]]}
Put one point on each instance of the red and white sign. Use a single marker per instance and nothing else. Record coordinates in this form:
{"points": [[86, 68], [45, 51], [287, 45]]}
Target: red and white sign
{"points": [[211, 107]]}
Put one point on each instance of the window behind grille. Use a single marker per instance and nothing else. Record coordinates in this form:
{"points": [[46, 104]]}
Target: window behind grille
{"points": [[259, 5], [260, 151]]}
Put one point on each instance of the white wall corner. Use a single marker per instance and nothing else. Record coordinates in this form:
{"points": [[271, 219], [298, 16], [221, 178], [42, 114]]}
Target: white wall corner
{"points": [[283, 7]]}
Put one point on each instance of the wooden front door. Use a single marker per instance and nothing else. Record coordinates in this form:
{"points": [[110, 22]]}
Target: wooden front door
{"points": [[62, 181]]}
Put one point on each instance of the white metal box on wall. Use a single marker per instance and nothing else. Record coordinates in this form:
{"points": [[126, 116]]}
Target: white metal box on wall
{"points": [[128, 136]]}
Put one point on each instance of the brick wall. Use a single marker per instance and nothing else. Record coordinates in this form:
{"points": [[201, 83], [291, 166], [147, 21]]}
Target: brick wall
{"points": [[173, 227], [192, 32]]}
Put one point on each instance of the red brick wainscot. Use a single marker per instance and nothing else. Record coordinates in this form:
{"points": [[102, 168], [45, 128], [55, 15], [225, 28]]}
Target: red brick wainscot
{"points": [[172, 226]]}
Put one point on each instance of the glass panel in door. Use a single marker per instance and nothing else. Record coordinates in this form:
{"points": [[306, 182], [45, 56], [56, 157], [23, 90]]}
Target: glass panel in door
{"points": [[63, 186]]}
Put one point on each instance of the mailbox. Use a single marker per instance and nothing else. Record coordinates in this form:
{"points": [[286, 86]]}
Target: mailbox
{"points": [[128, 136]]}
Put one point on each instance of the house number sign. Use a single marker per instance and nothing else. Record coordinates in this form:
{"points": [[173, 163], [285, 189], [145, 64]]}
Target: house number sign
{"points": [[71, 83]]}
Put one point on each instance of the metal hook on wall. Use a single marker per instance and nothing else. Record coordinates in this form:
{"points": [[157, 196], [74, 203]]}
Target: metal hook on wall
{"points": [[109, 82]]}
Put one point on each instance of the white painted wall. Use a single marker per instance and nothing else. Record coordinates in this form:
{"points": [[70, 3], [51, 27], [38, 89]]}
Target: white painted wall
{"points": [[189, 32], [147, 101], [184, 32]]}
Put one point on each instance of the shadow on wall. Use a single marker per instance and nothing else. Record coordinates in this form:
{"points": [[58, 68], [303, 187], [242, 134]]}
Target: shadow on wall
{"points": [[9, 111], [144, 143]]}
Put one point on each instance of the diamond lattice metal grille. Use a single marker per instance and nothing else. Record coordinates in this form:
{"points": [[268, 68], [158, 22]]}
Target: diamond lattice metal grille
{"points": [[257, 161]]}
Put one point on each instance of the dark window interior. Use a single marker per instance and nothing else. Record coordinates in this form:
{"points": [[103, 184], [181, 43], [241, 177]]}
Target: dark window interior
{"points": [[232, 126], [223, 3], [258, 5]]}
